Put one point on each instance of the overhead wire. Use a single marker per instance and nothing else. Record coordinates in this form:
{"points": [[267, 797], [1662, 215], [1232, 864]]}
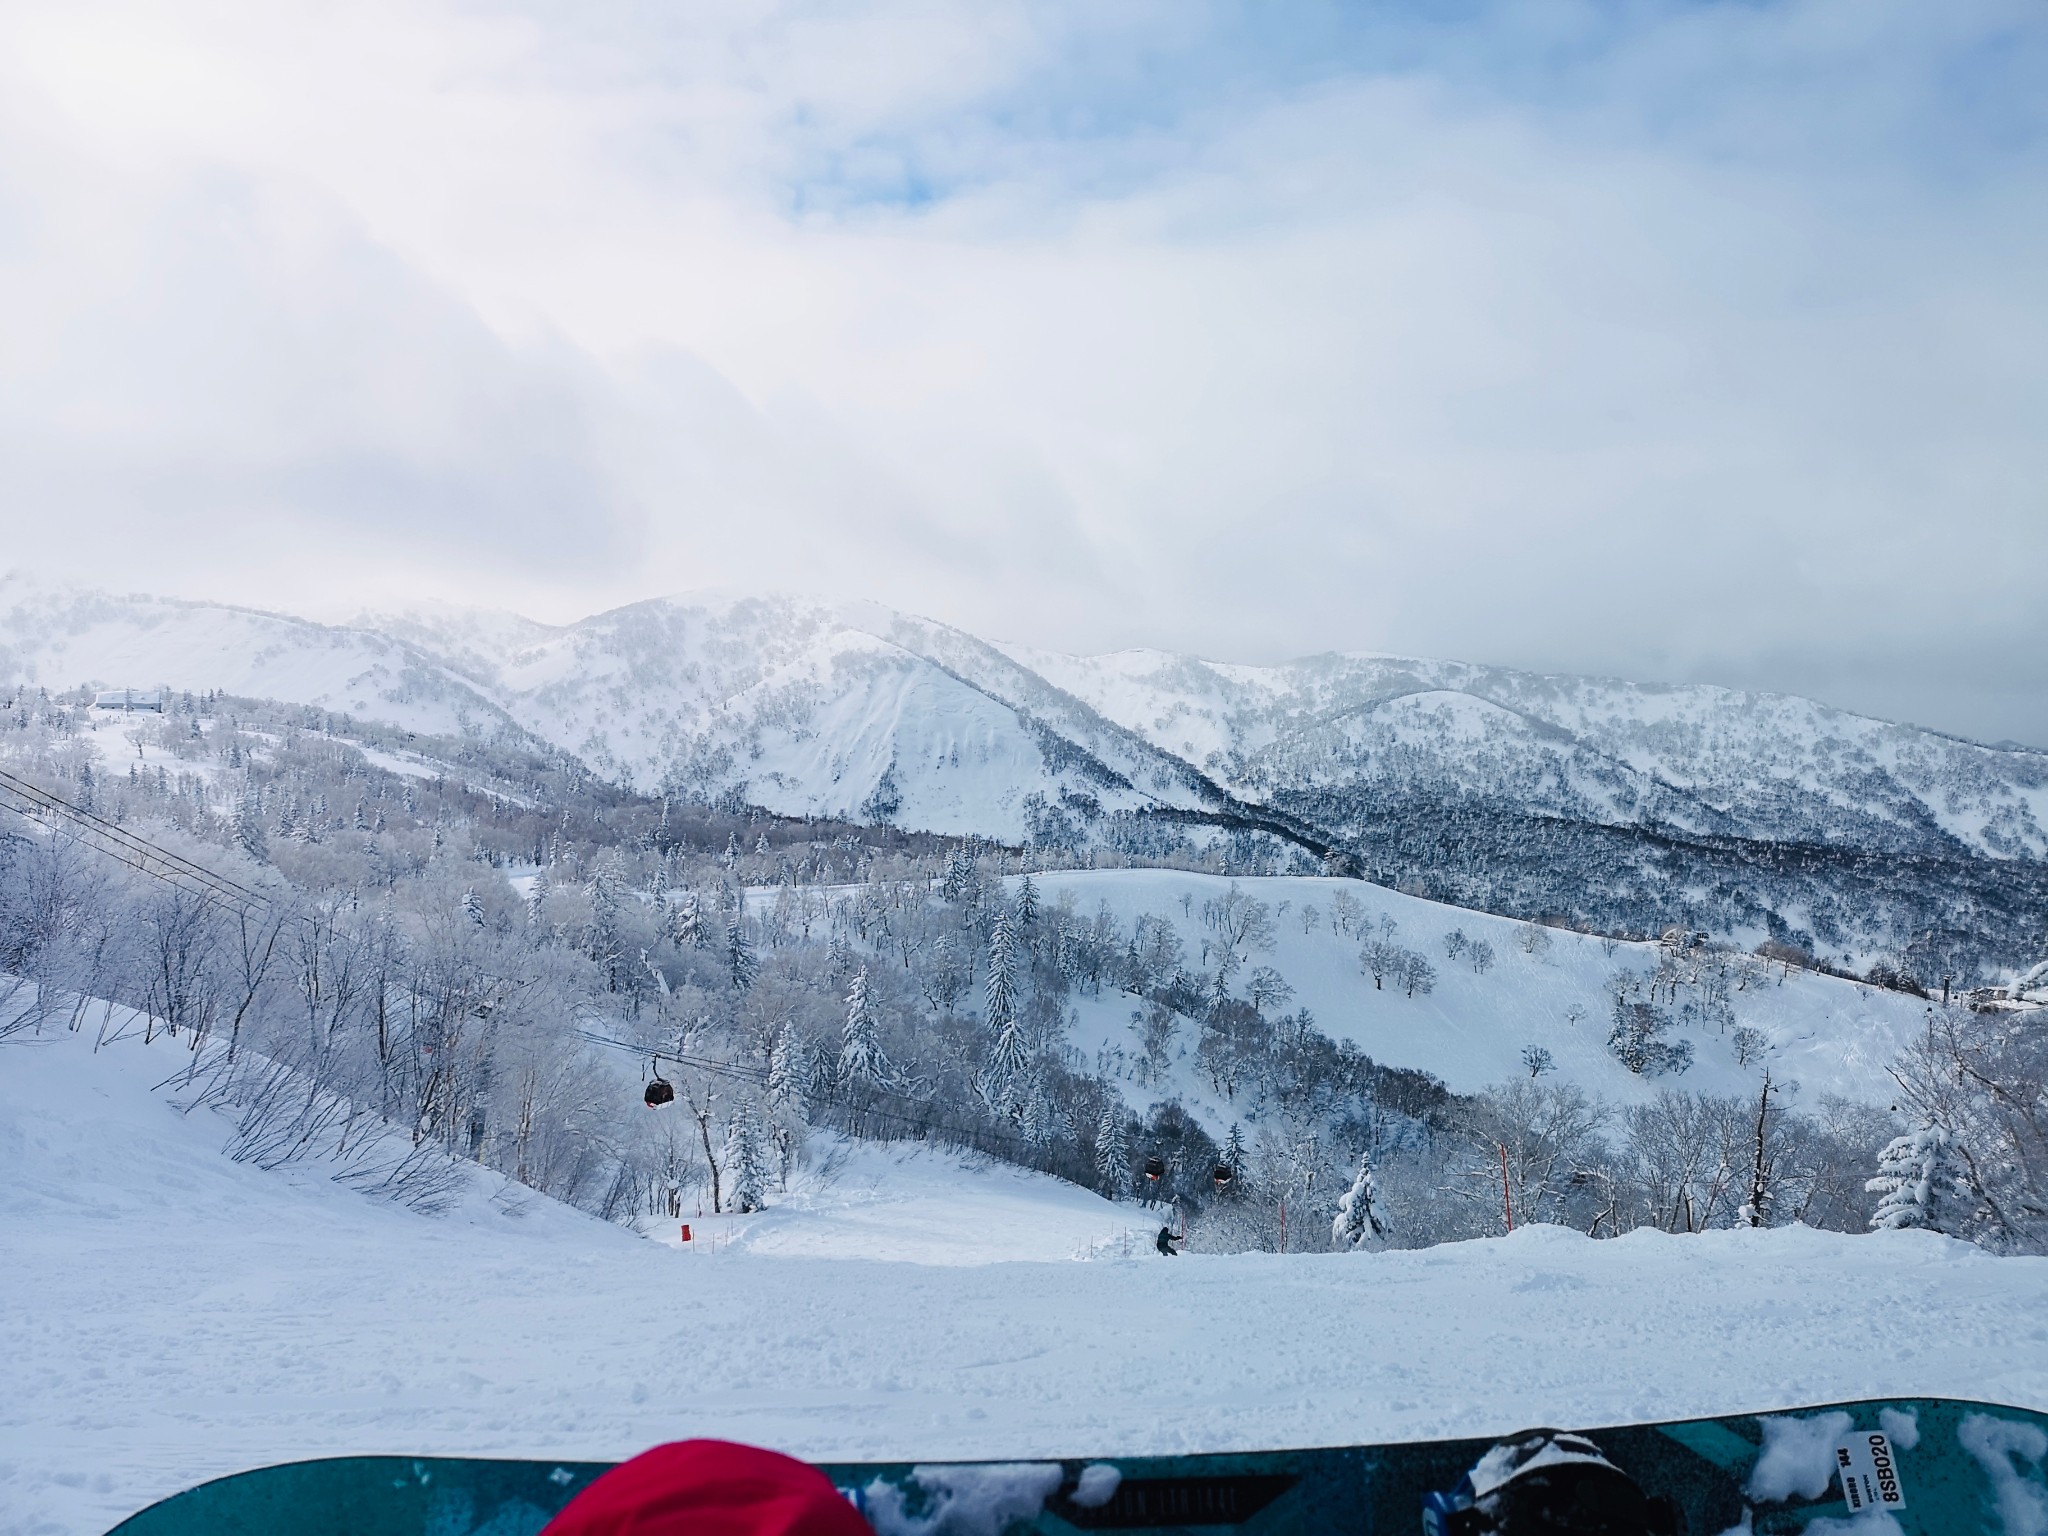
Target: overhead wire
{"points": [[755, 1077], [158, 862], [39, 805]]}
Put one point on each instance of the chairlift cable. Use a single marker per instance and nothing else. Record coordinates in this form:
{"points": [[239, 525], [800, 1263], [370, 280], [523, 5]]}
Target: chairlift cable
{"points": [[755, 1077], [125, 847]]}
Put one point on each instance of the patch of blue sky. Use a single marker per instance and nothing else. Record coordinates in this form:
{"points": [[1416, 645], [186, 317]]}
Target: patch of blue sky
{"points": [[1109, 107]]}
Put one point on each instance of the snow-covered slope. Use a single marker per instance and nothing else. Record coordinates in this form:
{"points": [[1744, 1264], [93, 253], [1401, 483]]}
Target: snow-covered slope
{"points": [[812, 708], [799, 706], [1820, 1034], [62, 638], [171, 1316], [1697, 758]]}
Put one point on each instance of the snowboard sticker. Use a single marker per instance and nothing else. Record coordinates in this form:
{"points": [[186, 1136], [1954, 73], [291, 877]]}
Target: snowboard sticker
{"points": [[1869, 1474]]}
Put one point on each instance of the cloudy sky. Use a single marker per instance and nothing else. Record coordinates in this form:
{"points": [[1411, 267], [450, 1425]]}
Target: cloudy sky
{"points": [[1674, 341]]}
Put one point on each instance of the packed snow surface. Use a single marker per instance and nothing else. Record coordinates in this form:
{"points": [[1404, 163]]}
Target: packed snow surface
{"points": [[171, 1316]]}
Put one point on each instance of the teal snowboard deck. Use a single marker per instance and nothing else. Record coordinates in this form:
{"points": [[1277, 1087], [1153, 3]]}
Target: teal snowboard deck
{"points": [[1927, 1467]]}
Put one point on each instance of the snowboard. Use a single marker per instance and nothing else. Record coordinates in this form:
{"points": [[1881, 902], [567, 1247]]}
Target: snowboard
{"points": [[1928, 1467]]}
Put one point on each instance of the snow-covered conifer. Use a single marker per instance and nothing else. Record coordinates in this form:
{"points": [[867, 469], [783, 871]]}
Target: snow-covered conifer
{"points": [[473, 906], [249, 825], [785, 1073], [1233, 1151], [1112, 1150], [746, 1157], [739, 956], [1002, 972], [860, 1054], [1027, 906], [1922, 1184], [1036, 1119], [689, 922], [1356, 1218]]}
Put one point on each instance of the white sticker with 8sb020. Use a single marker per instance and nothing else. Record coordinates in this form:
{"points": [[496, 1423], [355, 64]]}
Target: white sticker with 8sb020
{"points": [[1870, 1473]]}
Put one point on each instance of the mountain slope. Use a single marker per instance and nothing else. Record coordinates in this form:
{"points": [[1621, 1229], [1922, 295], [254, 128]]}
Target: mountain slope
{"points": [[1695, 758], [61, 638], [814, 708], [1625, 806]]}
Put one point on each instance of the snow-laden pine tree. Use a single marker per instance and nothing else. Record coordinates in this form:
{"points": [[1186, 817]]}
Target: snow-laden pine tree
{"points": [[739, 956], [689, 922], [249, 825], [1112, 1150], [1036, 1119], [473, 906], [1922, 1184], [1002, 971], [860, 1054], [1027, 906], [786, 1073], [537, 900], [1356, 1219], [746, 1157], [1233, 1151]]}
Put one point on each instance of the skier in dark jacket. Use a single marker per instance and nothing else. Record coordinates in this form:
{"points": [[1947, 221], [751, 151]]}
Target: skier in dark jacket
{"points": [[1165, 1241]]}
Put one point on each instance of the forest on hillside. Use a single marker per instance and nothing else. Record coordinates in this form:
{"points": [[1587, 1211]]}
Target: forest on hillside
{"points": [[476, 947]]}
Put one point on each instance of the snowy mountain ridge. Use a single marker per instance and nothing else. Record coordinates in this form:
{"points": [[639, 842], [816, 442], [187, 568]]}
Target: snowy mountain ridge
{"points": [[1623, 804], [1699, 757]]}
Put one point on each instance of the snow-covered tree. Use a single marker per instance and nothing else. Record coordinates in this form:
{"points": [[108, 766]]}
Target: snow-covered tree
{"points": [[1036, 1119], [1002, 972], [746, 1157], [786, 1073], [1112, 1150], [860, 1054], [249, 825], [473, 906], [1027, 906], [1356, 1218], [1267, 988], [739, 956], [689, 922], [1233, 1157], [1923, 1183], [1008, 1058], [1378, 957], [1637, 1039]]}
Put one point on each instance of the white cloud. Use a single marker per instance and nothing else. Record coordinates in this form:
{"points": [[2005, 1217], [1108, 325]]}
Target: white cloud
{"points": [[1702, 340]]}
